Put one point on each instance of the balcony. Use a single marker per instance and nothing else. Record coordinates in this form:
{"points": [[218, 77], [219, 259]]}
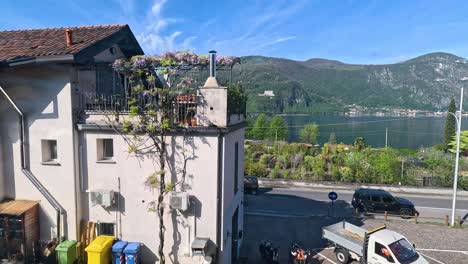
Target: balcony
{"points": [[215, 108]]}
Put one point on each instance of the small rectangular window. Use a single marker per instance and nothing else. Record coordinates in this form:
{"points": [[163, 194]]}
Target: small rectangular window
{"points": [[375, 199], [108, 145], [49, 150], [106, 229], [105, 149]]}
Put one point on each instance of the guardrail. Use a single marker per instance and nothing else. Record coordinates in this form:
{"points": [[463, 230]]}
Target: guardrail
{"points": [[416, 217]]}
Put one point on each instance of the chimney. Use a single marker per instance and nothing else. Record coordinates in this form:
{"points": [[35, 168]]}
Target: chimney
{"points": [[212, 63], [68, 37]]}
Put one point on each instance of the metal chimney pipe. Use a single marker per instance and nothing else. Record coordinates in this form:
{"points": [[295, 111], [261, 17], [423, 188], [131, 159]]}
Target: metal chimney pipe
{"points": [[68, 37], [212, 63]]}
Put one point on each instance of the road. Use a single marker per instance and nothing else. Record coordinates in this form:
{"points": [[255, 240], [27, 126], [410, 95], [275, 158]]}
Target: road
{"points": [[285, 215], [314, 202]]}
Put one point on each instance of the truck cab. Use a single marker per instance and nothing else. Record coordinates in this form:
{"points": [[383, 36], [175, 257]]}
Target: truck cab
{"points": [[386, 246], [377, 246]]}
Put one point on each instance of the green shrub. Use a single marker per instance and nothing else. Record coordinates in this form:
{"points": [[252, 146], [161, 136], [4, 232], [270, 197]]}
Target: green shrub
{"points": [[346, 174], [266, 159], [282, 161], [308, 162], [257, 169], [275, 172], [335, 173], [318, 168]]}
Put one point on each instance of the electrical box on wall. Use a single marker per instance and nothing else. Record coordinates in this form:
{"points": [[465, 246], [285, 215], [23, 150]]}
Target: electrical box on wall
{"points": [[179, 201], [105, 198]]}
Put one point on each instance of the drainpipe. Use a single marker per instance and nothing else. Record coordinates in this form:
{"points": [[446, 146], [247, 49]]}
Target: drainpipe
{"points": [[26, 170], [219, 196]]}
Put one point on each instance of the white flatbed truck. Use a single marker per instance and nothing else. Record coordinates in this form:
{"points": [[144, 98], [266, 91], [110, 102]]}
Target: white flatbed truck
{"points": [[378, 246]]}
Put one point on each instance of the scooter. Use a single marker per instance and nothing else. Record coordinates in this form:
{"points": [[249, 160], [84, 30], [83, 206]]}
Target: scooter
{"points": [[268, 252], [297, 255]]}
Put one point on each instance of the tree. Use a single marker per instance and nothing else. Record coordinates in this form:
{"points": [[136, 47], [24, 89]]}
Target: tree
{"points": [[278, 130], [360, 143], [332, 139], [260, 127], [309, 133], [463, 143], [155, 83], [450, 124]]}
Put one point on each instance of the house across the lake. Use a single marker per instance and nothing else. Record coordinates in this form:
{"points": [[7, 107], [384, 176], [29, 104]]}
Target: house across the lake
{"points": [[57, 149]]}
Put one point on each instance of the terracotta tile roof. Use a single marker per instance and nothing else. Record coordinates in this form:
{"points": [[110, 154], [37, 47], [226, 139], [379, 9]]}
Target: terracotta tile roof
{"points": [[16, 207], [15, 44]]}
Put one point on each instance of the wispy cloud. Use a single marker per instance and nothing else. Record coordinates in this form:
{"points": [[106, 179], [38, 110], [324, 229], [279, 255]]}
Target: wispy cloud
{"points": [[259, 27], [154, 37]]}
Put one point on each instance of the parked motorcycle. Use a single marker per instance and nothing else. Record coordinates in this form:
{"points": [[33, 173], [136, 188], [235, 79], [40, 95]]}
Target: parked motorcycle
{"points": [[268, 252], [297, 255]]}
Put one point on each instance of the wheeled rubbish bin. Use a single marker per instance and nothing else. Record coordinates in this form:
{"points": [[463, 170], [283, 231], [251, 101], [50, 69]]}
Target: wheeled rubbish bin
{"points": [[99, 251], [66, 252], [131, 252], [118, 257]]}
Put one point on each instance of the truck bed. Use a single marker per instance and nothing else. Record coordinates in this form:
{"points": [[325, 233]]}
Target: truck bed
{"points": [[346, 235]]}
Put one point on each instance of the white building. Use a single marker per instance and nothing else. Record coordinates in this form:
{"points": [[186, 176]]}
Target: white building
{"points": [[267, 93], [70, 154]]}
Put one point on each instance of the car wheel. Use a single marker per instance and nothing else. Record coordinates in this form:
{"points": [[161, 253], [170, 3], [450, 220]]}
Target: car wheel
{"points": [[342, 256], [406, 213]]}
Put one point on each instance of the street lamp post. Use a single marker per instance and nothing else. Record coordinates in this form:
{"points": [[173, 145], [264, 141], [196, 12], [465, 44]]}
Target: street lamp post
{"points": [[458, 119]]}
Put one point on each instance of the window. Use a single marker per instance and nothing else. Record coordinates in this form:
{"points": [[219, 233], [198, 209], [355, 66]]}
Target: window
{"points": [[236, 167], [105, 229], [387, 199], [404, 251], [375, 199], [49, 151], [382, 251], [105, 149]]}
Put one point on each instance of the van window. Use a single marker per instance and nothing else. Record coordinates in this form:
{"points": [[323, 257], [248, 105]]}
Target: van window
{"points": [[375, 199]]}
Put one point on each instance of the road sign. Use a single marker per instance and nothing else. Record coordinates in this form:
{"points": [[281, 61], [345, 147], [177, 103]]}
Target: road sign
{"points": [[333, 196]]}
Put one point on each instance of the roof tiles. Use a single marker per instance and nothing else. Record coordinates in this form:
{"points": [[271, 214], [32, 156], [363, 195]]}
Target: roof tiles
{"points": [[16, 44]]}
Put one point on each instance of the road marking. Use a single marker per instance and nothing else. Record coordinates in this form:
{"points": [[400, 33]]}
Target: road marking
{"points": [[443, 250], [272, 214], [321, 255], [438, 208], [440, 262]]}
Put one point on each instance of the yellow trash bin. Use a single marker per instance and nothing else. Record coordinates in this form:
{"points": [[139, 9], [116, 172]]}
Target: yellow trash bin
{"points": [[99, 251]]}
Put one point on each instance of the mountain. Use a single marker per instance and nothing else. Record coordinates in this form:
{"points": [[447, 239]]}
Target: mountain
{"points": [[427, 82]]}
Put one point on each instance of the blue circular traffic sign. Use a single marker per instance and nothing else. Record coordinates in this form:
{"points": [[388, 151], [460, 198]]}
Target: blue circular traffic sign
{"points": [[333, 196]]}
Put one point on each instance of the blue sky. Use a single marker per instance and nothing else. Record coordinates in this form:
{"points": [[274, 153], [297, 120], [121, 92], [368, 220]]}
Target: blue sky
{"points": [[353, 31]]}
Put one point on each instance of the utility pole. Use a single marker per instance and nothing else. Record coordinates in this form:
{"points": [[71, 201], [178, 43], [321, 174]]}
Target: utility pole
{"points": [[402, 169], [458, 118], [386, 137]]}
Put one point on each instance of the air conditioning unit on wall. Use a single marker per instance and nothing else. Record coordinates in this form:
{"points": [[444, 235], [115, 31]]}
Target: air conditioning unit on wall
{"points": [[179, 201], [105, 198]]}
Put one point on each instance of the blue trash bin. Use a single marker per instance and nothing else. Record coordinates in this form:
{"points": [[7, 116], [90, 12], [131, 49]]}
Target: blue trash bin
{"points": [[118, 257], [131, 253]]}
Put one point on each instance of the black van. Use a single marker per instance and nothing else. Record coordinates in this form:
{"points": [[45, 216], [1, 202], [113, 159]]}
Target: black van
{"points": [[380, 201]]}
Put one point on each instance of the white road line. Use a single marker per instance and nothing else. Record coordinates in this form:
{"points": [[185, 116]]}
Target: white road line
{"points": [[438, 208], [440, 262], [321, 255], [443, 250]]}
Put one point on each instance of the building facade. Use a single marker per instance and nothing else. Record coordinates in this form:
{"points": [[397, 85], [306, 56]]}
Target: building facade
{"points": [[58, 149]]}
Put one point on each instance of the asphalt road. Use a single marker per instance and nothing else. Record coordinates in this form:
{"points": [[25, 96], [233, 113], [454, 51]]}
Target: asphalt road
{"points": [[314, 202], [285, 215]]}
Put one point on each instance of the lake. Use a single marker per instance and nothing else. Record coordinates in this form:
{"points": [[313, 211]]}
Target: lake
{"points": [[403, 132]]}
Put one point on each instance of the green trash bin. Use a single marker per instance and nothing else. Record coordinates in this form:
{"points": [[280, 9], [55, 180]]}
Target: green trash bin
{"points": [[66, 252]]}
